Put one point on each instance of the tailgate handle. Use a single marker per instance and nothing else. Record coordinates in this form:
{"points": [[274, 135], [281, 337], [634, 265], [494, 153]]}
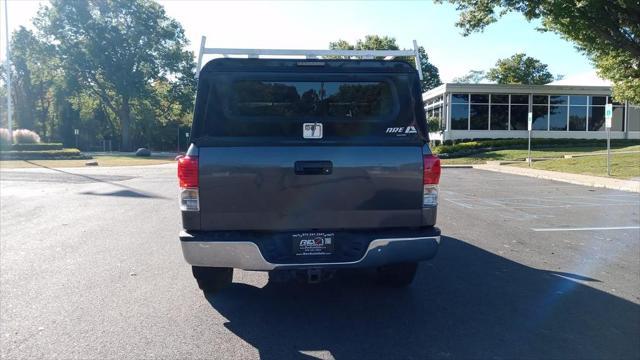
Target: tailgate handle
{"points": [[313, 167]]}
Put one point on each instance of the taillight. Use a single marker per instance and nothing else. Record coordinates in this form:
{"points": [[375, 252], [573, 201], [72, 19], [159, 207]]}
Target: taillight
{"points": [[188, 171], [430, 180], [188, 179], [431, 170]]}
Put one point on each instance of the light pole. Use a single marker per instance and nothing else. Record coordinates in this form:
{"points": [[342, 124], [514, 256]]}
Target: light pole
{"points": [[9, 115]]}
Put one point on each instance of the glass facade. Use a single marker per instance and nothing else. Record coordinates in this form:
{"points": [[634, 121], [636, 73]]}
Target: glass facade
{"points": [[484, 111], [479, 112], [540, 117], [634, 118], [518, 111], [578, 118], [459, 117], [499, 112], [460, 111], [578, 113]]}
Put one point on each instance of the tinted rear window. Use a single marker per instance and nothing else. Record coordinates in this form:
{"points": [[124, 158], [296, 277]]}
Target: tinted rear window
{"points": [[349, 101], [274, 108]]}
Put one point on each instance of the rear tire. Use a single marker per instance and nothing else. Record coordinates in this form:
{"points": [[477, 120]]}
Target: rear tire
{"points": [[212, 280], [397, 275]]}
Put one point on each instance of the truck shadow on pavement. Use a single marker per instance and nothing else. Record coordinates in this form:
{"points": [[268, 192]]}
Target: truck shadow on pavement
{"points": [[466, 303], [65, 176]]}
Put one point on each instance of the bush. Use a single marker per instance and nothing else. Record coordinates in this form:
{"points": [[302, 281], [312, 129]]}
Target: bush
{"points": [[5, 138], [467, 147], [24, 136], [43, 155], [37, 147], [433, 124]]}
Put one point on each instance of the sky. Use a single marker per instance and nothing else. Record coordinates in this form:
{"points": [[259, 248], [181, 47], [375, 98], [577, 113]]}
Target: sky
{"points": [[313, 24]]}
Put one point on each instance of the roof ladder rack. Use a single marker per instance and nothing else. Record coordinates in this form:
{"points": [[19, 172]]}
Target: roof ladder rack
{"points": [[309, 54]]}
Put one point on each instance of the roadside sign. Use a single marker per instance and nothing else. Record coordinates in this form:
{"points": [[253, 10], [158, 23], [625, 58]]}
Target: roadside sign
{"points": [[608, 115], [529, 128]]}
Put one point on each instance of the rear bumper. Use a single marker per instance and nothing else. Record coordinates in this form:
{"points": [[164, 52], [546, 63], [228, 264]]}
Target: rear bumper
{"points": [[212, 249]]}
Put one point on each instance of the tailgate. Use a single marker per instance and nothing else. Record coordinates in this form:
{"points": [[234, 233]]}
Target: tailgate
{"points": [[333, 187]]}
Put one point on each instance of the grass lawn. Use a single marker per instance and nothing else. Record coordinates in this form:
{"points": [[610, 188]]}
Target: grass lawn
{"points": [[521, 154], [623, 166], [103, 160]]}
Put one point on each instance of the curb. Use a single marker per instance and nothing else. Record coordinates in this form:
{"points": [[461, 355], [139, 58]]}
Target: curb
{"points": [[457, 166], [577, 179]]}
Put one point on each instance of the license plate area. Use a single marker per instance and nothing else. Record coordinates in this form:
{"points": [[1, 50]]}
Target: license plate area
{"points": [[313, 244]]}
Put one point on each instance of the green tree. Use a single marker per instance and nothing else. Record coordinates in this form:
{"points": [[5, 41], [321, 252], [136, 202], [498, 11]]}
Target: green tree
{"points": [[430, 73], [607, 31], [520, 69], [117, 50], [472, 77], [35, 74]]}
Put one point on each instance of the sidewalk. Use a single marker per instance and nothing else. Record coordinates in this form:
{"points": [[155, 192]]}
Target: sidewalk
{"points": [[586, 180], [130, 153]]}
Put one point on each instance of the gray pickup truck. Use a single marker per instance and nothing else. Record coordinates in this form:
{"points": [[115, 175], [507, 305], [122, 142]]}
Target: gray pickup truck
{"points": [[303, 167]]}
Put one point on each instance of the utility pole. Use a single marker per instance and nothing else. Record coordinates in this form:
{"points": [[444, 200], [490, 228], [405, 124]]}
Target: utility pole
{"points": [[9, 115]]}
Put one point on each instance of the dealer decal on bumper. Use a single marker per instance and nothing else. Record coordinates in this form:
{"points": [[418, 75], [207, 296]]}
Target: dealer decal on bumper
{"points": [[313, 243]]}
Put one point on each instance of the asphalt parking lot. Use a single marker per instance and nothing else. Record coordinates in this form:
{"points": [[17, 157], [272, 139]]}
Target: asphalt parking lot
{"points": [[91, 267]]}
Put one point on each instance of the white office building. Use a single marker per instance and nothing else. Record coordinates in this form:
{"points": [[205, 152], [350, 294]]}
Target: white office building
{"points": [[472, 111]]}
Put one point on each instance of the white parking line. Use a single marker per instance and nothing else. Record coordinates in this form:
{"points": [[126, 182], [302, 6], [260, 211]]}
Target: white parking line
{"points": [[589, 228]]}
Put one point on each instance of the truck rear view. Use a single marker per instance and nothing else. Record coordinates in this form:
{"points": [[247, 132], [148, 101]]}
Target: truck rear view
{"points": [[303, 167]]}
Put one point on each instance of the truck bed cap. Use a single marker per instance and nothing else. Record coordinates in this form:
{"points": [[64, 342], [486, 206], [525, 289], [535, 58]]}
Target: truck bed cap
{"points": [[311, 65]]}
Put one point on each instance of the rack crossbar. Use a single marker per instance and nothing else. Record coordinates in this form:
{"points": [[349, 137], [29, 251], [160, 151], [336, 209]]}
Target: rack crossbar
{"points": [[308, 54]]}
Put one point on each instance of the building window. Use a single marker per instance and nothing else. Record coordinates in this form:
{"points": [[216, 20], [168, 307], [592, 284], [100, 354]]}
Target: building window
{"points": [[597, 100], [540, 111], [578, 100], [540, 99], [557, 100], [558, 112], [596, 118], [459, 98], [550, 112], [519, 117], [520, 99], [479, 98], [479, 112], [459, 117], [519, 109], [558, 118], [633, 120], [479, 117], [617, 122], [578, 112], [499, 117], [595, 121], [577, 118], [500, 99]]}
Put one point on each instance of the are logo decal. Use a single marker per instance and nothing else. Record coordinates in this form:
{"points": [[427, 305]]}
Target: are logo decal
{"points": [[402, 130]]}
